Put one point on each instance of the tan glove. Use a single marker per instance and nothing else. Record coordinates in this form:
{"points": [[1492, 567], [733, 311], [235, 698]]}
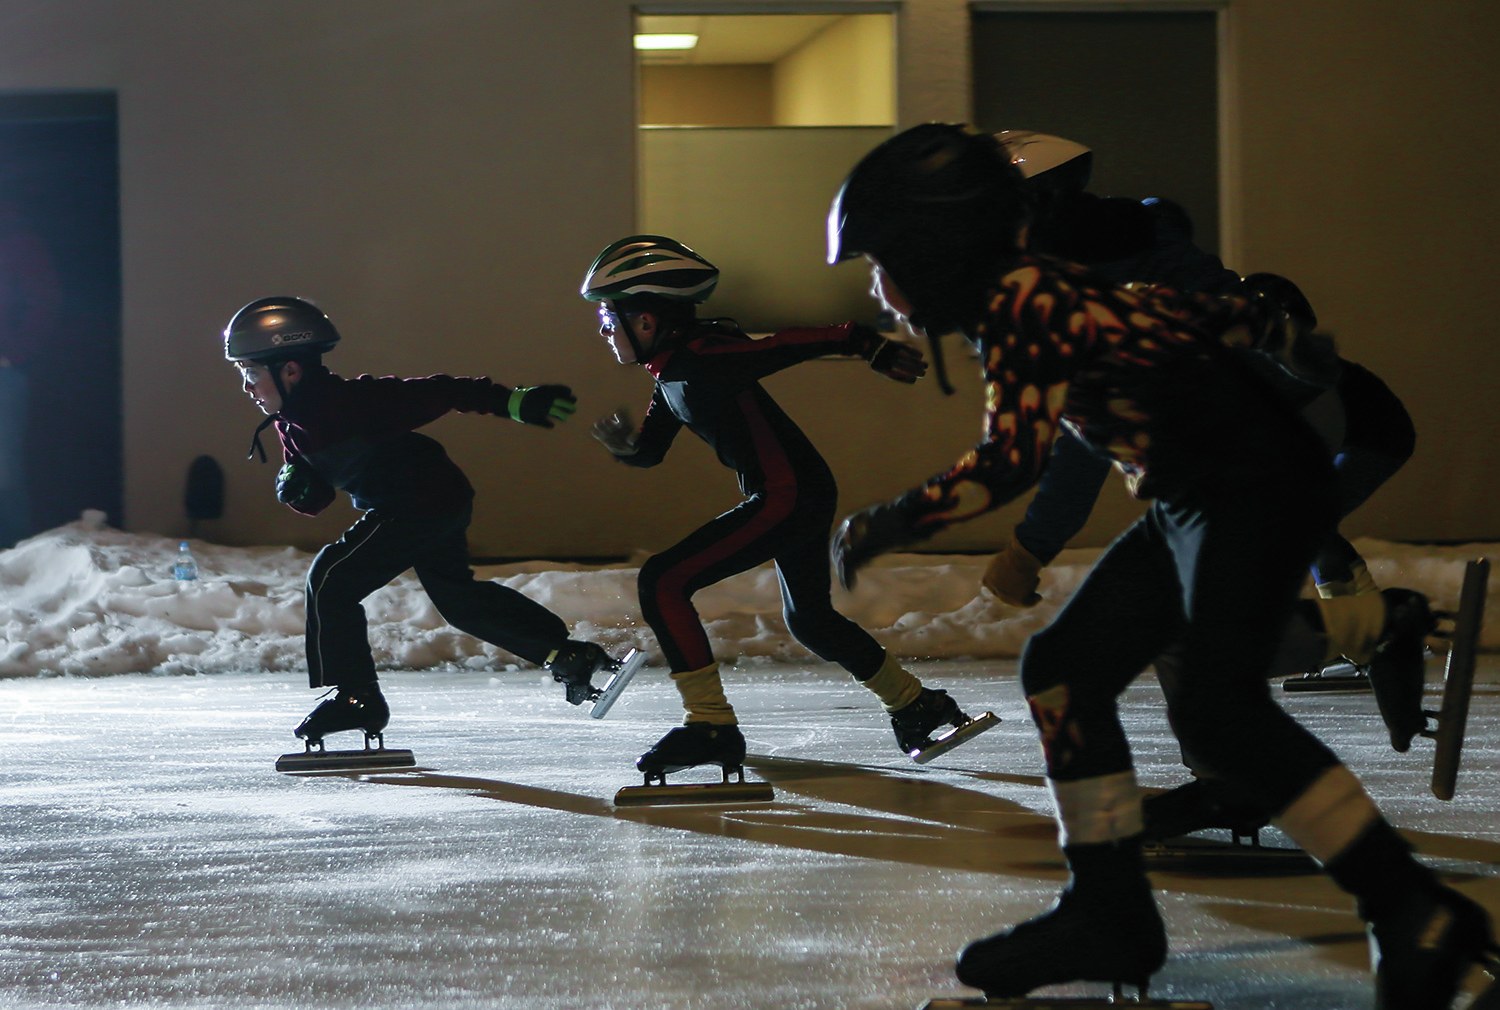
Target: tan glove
{"points": [[1013, 575]]}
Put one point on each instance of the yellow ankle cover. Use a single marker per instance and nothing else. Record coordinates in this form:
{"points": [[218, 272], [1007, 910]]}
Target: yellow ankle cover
{"points": [[895, 688], [1353, 625], [703, 696]]}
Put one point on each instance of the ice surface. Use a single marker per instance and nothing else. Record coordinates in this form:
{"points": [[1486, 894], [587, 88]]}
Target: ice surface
{"points": [[150, 857]]}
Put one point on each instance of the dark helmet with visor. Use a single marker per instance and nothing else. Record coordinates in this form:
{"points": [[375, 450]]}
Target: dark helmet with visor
{"points": [[940, 208]]}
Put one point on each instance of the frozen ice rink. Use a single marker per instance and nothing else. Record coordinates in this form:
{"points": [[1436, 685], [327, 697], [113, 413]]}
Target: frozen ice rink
{"points": [[153, 858]]}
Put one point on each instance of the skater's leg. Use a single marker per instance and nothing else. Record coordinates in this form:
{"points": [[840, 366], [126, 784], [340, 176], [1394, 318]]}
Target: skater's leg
{"points": [[736, 541], [369, 555], [487, 610], [1122, 615]]}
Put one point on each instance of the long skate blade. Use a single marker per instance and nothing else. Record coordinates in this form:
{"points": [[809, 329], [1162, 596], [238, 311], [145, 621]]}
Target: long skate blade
{"points": [[955, 737], [1061, 1003], [1458, 680], [699, 792], [1334, 677], [1190, 854], [633, 661], [369, 759]]}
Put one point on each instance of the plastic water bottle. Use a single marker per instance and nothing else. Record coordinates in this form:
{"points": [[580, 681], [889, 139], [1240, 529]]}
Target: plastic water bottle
{"points": [[186, 568]]}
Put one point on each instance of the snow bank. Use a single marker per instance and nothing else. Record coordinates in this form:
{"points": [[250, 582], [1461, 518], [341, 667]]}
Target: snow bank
{"points": [[86, 599]]}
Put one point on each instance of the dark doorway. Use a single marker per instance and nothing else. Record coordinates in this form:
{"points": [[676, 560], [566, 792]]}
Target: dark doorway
{"points": [[60, 307], [1138, 87]]}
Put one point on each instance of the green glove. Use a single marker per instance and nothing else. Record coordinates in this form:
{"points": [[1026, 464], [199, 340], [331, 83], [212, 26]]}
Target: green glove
{"points": [[296, 486], [541, 405]]}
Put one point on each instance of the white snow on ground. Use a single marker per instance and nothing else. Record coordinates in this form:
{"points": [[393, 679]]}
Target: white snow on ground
{"points": [[87, 599]]}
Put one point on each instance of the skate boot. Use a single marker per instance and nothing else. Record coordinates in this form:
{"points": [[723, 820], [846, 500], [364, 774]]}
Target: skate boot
{"points": [[1105, 927], [362, 708], [697, 743], [574, 665], [1421, 950], [1397, 670], [915, 723], [1200, 805]]}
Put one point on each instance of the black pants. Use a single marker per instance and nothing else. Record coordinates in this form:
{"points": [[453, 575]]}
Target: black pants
{"points": [[376, 550], [1379, 438], [1215, 571], [786, 528]]}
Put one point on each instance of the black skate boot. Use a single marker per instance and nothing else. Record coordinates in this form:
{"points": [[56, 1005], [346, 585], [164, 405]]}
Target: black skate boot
{"points": [[1105, 927], [574, 665], [697, 743], [1200, 805], [915, 723], [362, 708], [1422, 948], [1398, 668]]}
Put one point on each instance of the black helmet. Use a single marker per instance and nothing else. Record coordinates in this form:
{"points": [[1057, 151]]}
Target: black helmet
{"points": [[1283, 295], [269, 329], [934, 181], [941, 209]]}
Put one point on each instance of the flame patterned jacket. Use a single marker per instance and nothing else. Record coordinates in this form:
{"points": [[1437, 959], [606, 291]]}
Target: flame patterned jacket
{"points": [[1061, 347]]}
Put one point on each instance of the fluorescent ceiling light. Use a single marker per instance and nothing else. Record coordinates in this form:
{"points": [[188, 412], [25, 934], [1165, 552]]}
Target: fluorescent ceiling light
{"points": [[663, 40]]}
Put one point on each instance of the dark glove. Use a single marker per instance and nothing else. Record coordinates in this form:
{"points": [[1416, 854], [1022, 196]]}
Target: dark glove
{"points": [[616, 433], [868, 533], [541, 405], [300, 487], [890, 358]]}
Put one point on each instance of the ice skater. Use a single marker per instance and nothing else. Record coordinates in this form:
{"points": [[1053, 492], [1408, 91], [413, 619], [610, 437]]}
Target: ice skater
{"points": [[708, 374], [358, 436], [1242, 494]]}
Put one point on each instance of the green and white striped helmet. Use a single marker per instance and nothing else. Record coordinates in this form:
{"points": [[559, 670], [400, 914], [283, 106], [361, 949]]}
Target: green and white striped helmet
{"points": [[649, 265]]}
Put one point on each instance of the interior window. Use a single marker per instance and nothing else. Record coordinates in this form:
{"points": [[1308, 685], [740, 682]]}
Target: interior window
{"points": [[747, 125]]}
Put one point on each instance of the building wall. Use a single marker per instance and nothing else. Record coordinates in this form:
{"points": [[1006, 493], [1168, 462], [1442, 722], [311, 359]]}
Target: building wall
{"points": [[438, 175], [843, 76]]}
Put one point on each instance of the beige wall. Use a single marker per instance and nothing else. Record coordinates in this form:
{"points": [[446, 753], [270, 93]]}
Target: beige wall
{"points": [[832, 79], [714, 95], [439, 174]]}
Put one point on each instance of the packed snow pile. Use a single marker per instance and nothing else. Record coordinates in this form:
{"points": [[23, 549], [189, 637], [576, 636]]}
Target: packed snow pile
{"points": [[87, 599]]}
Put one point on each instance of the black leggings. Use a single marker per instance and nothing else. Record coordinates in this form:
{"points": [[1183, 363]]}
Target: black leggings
{"points": [[767, 526], [374, 551], [1216, 574]]}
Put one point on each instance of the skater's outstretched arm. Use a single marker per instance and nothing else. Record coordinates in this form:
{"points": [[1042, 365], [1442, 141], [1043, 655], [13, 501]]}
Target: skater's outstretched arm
{"points": [[649, 445], [755, 359]]}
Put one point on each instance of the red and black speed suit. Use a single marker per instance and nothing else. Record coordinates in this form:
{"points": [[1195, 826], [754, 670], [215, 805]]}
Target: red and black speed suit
{"points": [[707, 380], [1243, 493], [357, 435]]}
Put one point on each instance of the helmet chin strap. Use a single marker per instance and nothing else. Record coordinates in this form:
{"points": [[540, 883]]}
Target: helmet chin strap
{"points": [[256, 449], [624, 321]]}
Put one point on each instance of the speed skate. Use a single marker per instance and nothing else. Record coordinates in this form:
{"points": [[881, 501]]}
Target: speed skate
{"points": [[617, 682], [1115, 1000], [955, 737], [733, 789], [1448, 724], [374, 756]]}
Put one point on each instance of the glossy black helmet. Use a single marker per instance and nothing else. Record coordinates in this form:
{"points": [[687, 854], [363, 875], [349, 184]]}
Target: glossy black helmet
{"points": [[940, 208], [270, 329], [937, 180]]}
